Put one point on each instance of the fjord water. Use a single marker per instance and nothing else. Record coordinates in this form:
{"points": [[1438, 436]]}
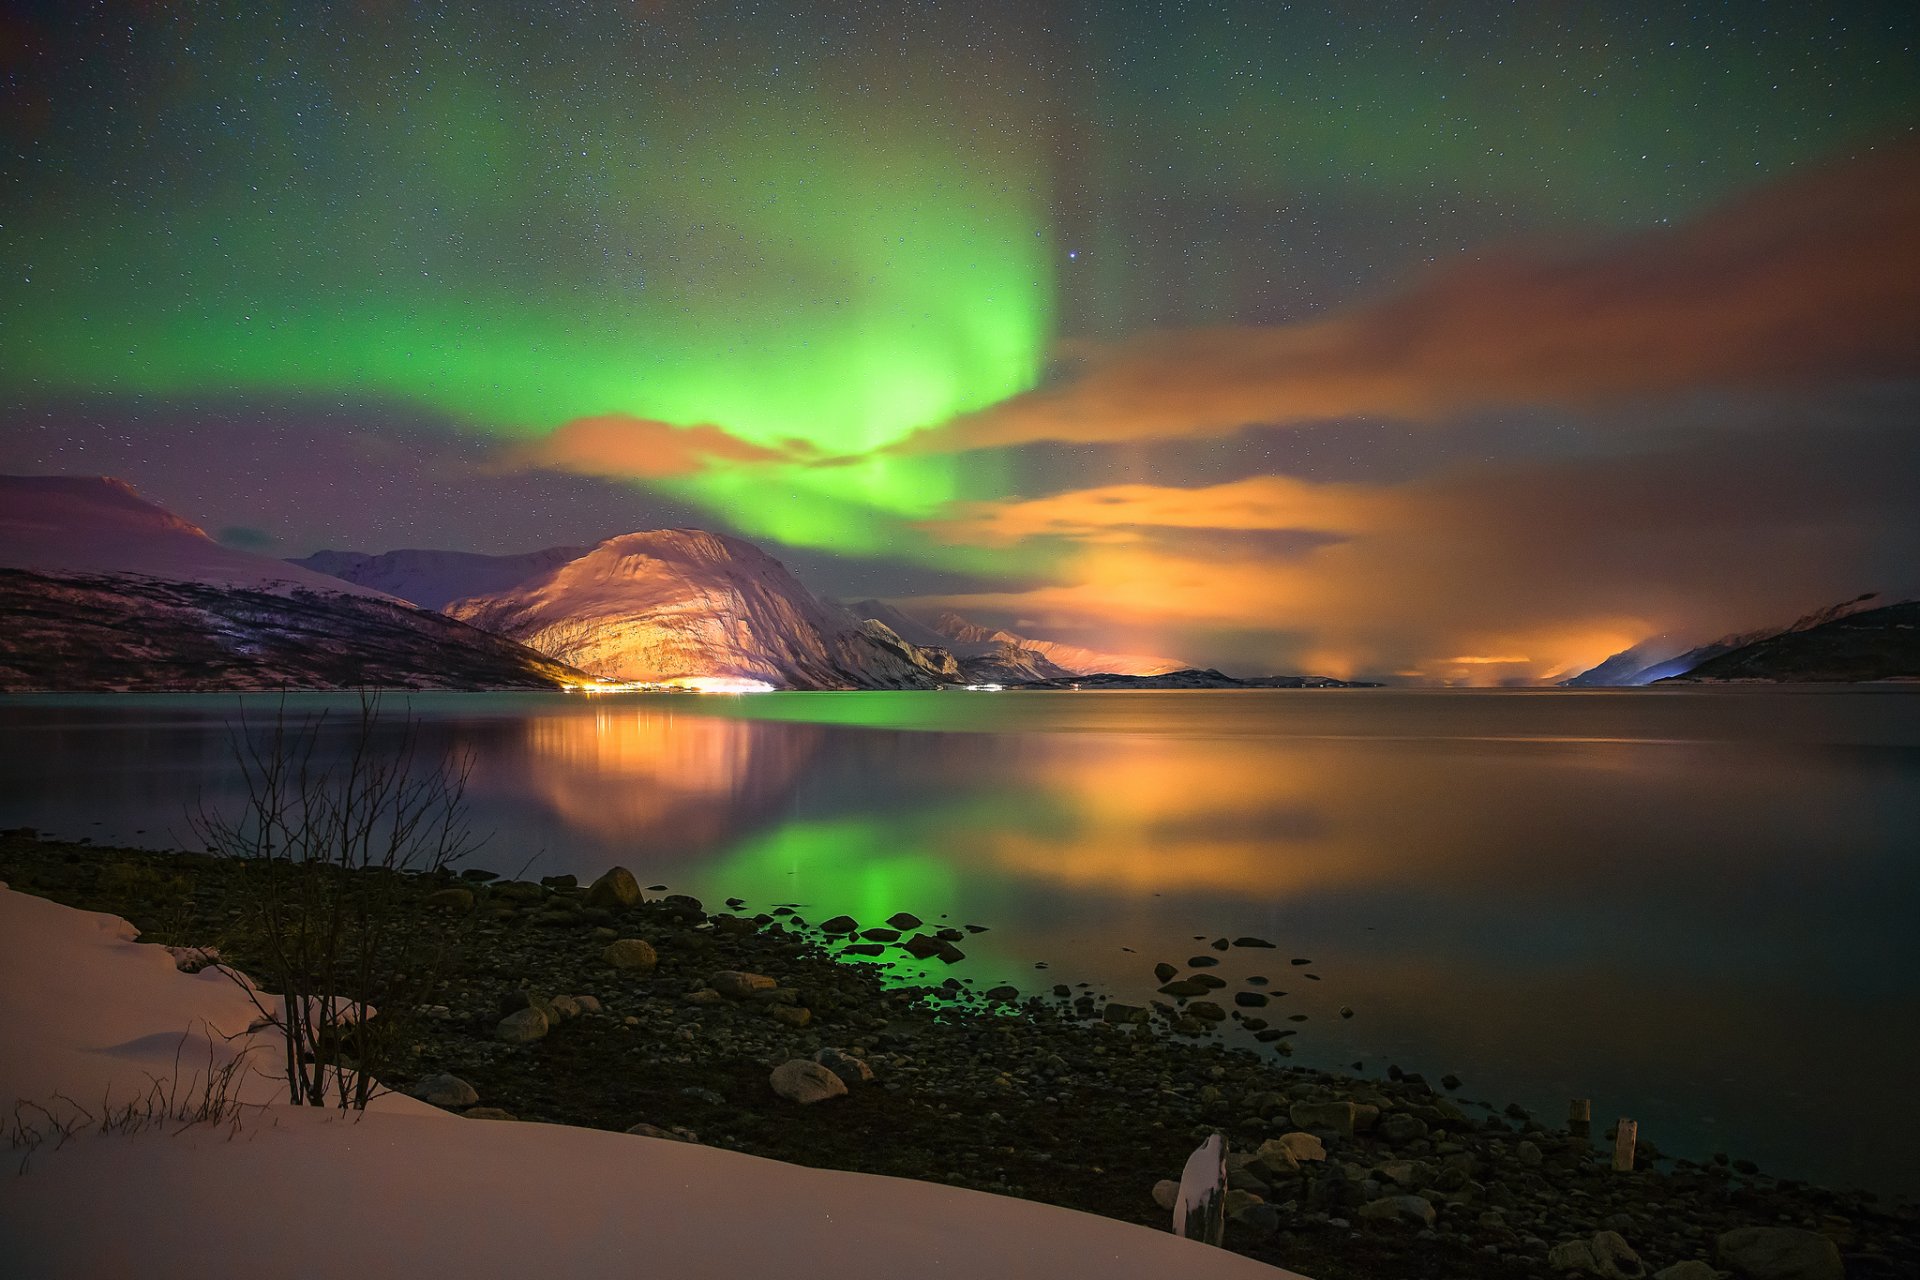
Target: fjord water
{"points": [[1701, 908]]}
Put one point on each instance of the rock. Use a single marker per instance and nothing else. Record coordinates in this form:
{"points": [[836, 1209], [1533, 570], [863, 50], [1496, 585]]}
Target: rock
{"points": [[1301, 1146], [1114, 1011], [1778, 1253], [1202, 962], [1208, 981], [566, 1007], [1298, 961], [880, 935], [614, 891], [522, 1027], [443, 1091], [455, 899], [1183, 988], [1345, 1010], [1207, 1011], [1529, 1154], [741, 986], [791, 1015], [841, 924], [904, 920], [645, 1130], [1261, 1219], [804, 1082], [1692, 1269], [687, 907], [922, 946], [1253, 942], [1572, 1256], [1164, 972], [1407, 1210], [851, 1070], [1166, 1193], [1250, 999], [1398, 1128], [486, 1113], [588, 1004], [520, 891], [1003, 993], [631, 953], [1335, 1117], [1605, 1254], [1238, 1202]]}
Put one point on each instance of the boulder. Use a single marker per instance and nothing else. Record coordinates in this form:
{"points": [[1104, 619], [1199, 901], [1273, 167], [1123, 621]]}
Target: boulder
{"points": [[522, 1027], [1605, 1254], [1166, 1193], [443, 1091], [615, 891], [1206, 1011], [1301, 1146], [741, 986], [1114, 1011], [1398, 1128], [1407, 1210], [851, 1070], [456, 899], [904, 920], [790, 1015], [1778, 1253], [839, 924], [1333, 1117], [804, 1082], [631, 953], [1164, 972]]}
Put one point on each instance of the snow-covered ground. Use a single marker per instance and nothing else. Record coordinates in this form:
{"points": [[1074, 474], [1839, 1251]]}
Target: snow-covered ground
{"points": [[407, 1190]]}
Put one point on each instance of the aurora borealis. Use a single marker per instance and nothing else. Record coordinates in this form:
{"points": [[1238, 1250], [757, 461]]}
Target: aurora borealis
{"points": [[1462, 343]]}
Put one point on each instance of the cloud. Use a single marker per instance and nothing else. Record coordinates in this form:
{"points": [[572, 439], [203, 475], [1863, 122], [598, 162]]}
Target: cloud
{"points": [[1485, 572], [1807, 282], [623, 447], [1123, 512]]}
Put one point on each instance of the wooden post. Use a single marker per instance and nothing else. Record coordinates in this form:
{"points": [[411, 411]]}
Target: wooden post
{"points": [[1580, 1118], [1624, 1138]]}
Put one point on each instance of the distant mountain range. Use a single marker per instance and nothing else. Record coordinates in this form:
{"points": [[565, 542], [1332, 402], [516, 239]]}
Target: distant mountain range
{"points": [[990, 654], [102, 589], [1840, 637]]}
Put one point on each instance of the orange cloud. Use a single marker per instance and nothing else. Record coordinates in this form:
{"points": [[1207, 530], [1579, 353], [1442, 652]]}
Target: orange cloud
{"points": [[1811, 280], [624, 447], [1118, 513]]}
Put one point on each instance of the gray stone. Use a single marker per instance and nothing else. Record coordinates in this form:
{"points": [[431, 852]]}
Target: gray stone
{"points": [[804, 1082], [741, 986], [1334, 1117], [1778, 1253], [522, 1027], [1398, 1128], [1261, 1219], [443, 1091], [631, 953], [1407, 1210], [1166, 1193], [614, 891], [851, 1070]]}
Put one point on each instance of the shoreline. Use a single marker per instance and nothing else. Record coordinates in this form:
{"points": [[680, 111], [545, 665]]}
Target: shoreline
{"points": [[1082, 1107]]}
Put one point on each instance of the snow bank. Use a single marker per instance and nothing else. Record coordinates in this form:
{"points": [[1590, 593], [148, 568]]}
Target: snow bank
{"points": [[408, 1190]]}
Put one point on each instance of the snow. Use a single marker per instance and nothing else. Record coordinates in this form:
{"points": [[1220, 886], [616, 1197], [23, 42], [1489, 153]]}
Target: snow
{"points": [[86, 525], [405, 1189]]}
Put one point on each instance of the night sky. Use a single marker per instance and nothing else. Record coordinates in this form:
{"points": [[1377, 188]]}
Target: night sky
{"points": [[1452, 342]]}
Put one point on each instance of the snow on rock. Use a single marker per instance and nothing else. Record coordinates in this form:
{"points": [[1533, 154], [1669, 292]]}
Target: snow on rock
{"points": [[989, 653], [409, 1190], [69, 525], [434, 579], [682, 605]]}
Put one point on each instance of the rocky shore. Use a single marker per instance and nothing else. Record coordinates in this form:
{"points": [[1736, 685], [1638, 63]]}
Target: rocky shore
{"points": [[619, 1007]]}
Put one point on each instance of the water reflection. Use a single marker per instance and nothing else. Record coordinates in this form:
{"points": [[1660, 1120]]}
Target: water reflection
{"points": [[1690, 908]]}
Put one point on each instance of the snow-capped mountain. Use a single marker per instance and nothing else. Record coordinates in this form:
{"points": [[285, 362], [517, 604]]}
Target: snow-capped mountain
{"points": [[433, 579], [983, 651], [1660, 658], [102, 589], [685, 605]]}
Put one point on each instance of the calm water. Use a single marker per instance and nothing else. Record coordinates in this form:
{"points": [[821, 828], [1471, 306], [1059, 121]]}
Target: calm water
{"points": [[1702, 909]]}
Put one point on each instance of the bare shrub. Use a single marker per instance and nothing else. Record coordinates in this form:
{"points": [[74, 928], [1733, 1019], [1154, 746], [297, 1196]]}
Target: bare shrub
{"points": [[325, 852]]}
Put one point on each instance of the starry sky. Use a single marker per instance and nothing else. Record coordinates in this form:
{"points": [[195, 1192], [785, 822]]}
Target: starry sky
{"points": [[1450, 343]]}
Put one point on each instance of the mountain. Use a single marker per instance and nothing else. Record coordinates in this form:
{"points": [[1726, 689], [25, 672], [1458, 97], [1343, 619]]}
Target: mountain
{"points": [[1197, 678], [1865, 644], [684, 606], [984, 651], [434, 579], [102, 589], [1640, 665]]}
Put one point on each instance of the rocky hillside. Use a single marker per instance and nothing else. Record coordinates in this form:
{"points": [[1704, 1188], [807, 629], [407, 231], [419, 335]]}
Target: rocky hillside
{"points": [[433, 579], [991, 654], [102, 589], [1875, 644], [1662, 657], [682, 605]]}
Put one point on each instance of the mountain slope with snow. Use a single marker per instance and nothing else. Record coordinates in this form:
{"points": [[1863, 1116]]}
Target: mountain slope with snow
{"points": [[434, 579], [102, 589], [1659, 658], [983, 651], [684, 605]]}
